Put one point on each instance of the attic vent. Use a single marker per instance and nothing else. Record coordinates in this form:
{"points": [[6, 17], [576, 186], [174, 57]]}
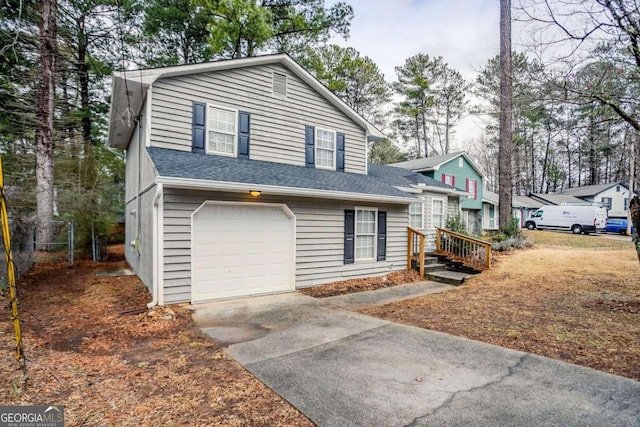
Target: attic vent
{"points": [[279, 84]]}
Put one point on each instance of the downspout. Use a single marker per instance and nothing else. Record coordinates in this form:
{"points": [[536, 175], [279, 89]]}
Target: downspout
{"points": [[138, 201], [157, 230]]}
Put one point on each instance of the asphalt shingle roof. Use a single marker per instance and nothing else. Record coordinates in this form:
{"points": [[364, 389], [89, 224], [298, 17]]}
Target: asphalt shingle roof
{"points": [[426, 163], [184, 164], [557, 199], [402, 177], [526, 202], [588, 190]]}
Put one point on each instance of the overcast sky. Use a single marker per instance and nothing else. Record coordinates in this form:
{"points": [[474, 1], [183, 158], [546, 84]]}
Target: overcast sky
{"points": [[464, 32]]}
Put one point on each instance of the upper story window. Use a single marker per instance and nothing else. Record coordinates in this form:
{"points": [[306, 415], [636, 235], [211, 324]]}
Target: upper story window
{"points": [[617, 188], [472, 188], [449, 179], [460, 162], [625, 204], [416, 217], [221, 132], [325, 149]]}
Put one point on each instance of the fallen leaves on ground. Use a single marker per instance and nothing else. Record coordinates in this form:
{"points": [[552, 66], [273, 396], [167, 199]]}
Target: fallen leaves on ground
{"points": [[363, 284], [92, 347], [580, 305]]}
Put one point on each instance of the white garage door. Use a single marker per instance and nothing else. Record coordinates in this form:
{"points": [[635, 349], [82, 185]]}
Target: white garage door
{"points": [[241, 249]]}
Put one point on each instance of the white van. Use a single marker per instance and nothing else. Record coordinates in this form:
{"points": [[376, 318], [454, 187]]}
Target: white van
{"points": [[577, 218]]}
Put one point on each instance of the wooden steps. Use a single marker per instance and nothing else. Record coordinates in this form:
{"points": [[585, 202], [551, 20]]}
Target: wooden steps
{"points": [[441, 269]]}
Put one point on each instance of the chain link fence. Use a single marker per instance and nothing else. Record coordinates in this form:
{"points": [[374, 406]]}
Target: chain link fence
{"points": [[22, 231], [60, 244]]}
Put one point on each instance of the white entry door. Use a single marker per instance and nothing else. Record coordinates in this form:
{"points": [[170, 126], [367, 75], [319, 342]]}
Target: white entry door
{"points": [[241, 249]]}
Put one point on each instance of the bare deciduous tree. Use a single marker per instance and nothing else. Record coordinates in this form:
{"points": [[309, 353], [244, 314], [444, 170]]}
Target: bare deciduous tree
{"points": [[603, 35]]}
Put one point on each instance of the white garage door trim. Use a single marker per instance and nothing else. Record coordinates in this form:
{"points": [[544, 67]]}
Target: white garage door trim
{"points": [[198, 295]]}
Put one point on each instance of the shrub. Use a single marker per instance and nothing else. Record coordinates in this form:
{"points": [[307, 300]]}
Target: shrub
{"points": [[513, 229], [501, 237], [456, 224], [518, 242]]}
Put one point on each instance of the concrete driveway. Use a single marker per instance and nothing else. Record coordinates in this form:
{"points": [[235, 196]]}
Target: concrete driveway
{"points": [[341, 368]]}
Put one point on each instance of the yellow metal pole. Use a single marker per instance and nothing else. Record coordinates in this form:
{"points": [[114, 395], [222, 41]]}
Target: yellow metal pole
{"points": [[11, 275]]}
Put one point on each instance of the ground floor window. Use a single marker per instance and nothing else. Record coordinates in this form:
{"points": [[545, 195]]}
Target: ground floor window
{"points": [[416, 219], [365, 240], [365, 235], [437, 213]]}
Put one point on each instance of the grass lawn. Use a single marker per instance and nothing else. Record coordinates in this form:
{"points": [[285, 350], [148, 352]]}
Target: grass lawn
{"points": [[573, 298], [110, 365]]}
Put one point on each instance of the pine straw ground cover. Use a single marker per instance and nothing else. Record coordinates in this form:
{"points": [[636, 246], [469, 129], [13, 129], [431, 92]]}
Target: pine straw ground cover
{"points": [[109, 369], [574, 298], [363, 284]]}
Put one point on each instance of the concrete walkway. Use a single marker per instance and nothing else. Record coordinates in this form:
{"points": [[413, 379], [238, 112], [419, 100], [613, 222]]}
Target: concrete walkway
{"points": [[360, 300], [341, 368]]}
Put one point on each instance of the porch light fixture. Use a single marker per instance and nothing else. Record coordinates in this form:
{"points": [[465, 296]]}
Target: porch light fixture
{"points": [[255, 193]]}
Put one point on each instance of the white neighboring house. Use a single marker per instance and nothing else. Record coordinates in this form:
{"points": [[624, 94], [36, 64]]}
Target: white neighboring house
{"points": [[614, 196]]}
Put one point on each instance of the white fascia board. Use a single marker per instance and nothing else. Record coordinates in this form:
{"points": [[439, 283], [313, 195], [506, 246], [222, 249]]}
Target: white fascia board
{"points": [[435, 189], [412, 190], [237, 187]]}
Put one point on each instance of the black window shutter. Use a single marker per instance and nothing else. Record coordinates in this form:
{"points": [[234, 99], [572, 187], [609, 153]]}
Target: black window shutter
{"points": [[349, 236], [309, 148], [244, 126], [382, 236], [198, 126], [340, 151]]}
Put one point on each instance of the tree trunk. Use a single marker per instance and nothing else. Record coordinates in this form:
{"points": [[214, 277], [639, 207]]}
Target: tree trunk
{"points": [[545, 162], [632, 164], [506, 114], [446, 130], [593, 168], [424, 135], [83, 75], [634, 210], [44, 123]]}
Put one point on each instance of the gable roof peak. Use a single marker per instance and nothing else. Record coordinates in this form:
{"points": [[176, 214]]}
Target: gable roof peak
{"points": [[129, 89], [433, 163]]}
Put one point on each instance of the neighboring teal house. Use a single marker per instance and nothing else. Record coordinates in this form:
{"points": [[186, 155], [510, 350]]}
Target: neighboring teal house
{"points": [[459, 170]]}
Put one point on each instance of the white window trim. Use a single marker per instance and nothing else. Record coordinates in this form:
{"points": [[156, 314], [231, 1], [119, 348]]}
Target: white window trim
{"points": [[355, 234], [315, 148], [460, 162], [235, 133], [421, 215], [449, 178], [444, 209]]}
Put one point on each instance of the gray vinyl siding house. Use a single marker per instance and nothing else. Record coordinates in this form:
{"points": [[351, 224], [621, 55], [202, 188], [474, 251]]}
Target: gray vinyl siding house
{"points": [[200, 138]]}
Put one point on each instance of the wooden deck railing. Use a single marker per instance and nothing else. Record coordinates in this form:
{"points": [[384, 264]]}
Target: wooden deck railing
{"points": [[415, 249], [471, 252]]}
